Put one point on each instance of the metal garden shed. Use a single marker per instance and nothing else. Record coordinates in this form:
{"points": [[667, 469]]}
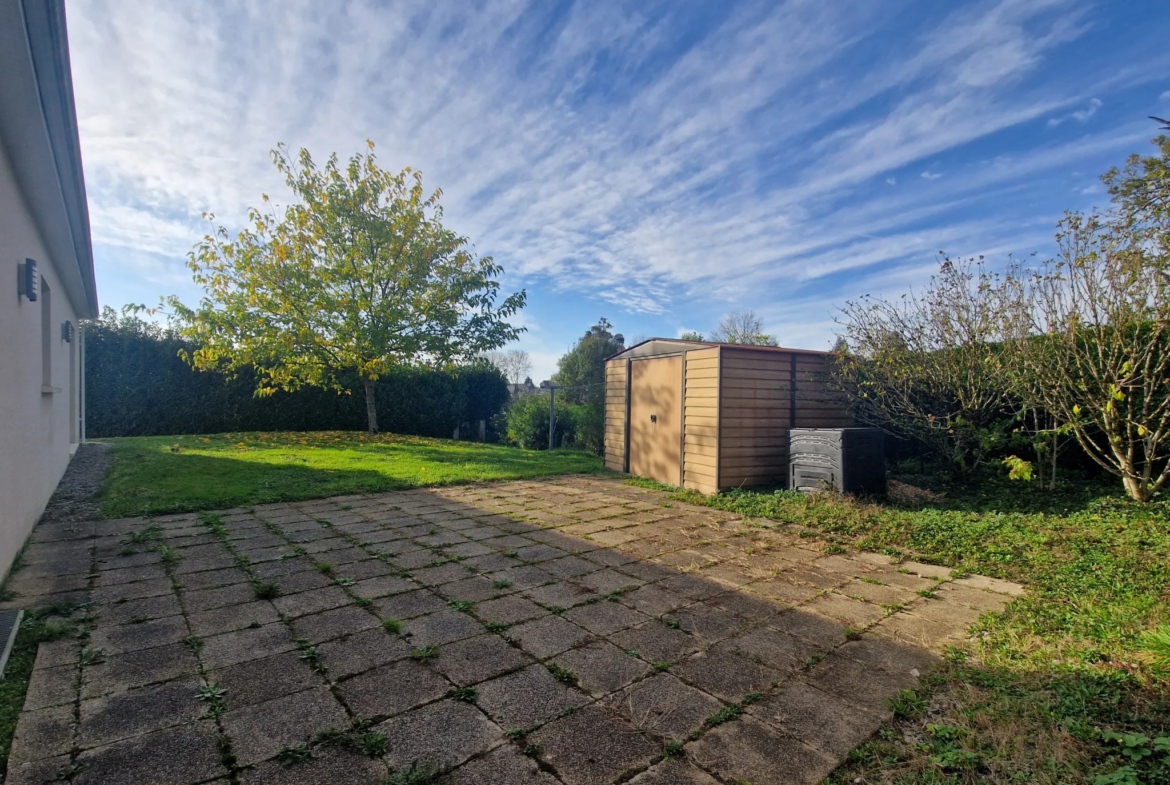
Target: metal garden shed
{"points": [[712, 416]]}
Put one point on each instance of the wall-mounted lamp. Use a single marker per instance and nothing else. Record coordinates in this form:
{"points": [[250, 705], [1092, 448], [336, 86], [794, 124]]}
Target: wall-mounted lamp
{"points": [[67, 331], [27, 281]]}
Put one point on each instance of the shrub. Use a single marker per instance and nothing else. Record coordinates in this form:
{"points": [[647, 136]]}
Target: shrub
{"points": [[528, 423], [587, 427]]}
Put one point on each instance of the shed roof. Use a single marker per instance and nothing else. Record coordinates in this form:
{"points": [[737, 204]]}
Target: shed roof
{"points": [[653, 347]]}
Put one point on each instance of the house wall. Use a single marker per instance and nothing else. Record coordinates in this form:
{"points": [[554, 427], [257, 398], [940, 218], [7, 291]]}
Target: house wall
{"points": [[762, 395], [615, 415], [701, 421], [38, 430]]}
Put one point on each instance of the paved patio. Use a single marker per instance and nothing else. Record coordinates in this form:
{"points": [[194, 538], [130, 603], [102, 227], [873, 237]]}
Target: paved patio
{"points": [[536, 632]]}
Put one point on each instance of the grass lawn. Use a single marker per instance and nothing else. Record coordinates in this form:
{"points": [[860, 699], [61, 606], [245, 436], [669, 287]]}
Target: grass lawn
{"points": [[1060, 688], [153, 475]]}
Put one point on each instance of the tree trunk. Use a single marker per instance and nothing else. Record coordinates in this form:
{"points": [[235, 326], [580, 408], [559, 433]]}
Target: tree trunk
{"points": [[1040, 458], [1136, 489], [371, 409], [1055, 450], [1041, 455]]}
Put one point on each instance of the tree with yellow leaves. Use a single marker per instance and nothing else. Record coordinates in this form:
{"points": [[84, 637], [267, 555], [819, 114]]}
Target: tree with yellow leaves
{"points": [[356, 276]]}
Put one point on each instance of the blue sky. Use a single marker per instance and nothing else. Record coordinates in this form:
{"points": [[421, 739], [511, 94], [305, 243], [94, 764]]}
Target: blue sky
{"points": [[659, 164]]}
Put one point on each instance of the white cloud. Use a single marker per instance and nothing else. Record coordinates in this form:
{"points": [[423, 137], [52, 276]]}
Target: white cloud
{"points": [[144, 265], [593, 153], [544, 362], [1081, 115]]}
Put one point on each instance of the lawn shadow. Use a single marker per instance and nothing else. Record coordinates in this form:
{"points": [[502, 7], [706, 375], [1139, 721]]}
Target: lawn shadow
{"points": [[988, 491], [148, 479], [498, 456], [1078, 723], [168, 482]]}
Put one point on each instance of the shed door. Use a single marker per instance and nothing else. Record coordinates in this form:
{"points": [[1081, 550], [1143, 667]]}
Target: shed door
{"points": [[656, 418]]}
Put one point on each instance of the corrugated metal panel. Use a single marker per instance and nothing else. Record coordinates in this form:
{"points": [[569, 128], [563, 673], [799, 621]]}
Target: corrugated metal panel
{"points": [[615, 415], [764, 395], [656, 414], [701, 423]]}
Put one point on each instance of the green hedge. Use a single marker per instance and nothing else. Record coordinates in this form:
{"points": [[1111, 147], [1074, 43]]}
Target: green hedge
{"points": [[136, 385]]}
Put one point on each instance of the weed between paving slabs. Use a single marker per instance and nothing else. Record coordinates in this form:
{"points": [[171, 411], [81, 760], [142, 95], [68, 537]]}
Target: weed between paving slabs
{"points": [[575, 630]]}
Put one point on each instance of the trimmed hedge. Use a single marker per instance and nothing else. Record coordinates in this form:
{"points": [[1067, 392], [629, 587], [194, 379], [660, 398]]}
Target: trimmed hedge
{"points": [[136, 385]]}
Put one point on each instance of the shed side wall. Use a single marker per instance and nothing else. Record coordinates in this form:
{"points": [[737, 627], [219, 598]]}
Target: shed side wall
{"points": [[701, 421], [758, 405], [755, 407], [817, 406], [615, 415]]}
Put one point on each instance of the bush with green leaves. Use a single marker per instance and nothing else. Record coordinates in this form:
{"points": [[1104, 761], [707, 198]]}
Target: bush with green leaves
{"points": [[928, 366], [527, 422], [586, 428]]}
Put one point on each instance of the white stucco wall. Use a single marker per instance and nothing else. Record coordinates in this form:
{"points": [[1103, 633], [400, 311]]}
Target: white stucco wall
{"points": [[37, 430]]}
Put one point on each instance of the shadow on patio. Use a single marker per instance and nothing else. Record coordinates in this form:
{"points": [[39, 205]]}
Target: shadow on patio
{"points": [[575, 630]]}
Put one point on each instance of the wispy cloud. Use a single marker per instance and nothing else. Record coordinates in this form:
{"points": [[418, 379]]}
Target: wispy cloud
{"points": [[660, 157], [1081, 115]]}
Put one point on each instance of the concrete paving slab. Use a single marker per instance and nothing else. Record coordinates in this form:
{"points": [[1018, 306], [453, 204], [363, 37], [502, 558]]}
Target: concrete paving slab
{"points": [[392, 689], [261, 730], [663, 706], [527, 698], [440, 735], [573, 587], [593, 746]]}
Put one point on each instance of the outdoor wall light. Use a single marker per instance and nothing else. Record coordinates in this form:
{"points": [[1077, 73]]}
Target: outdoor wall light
{"points": [[27, 282], [67, 331]]}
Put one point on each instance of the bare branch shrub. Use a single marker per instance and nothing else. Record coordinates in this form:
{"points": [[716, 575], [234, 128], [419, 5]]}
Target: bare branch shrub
{"points": [[930, 367], [1095, 354], [743, 327], [1078, 345]]}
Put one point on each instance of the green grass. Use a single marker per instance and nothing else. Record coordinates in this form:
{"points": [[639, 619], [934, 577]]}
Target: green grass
{"points": [[1061, 687], [153, 475]]}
